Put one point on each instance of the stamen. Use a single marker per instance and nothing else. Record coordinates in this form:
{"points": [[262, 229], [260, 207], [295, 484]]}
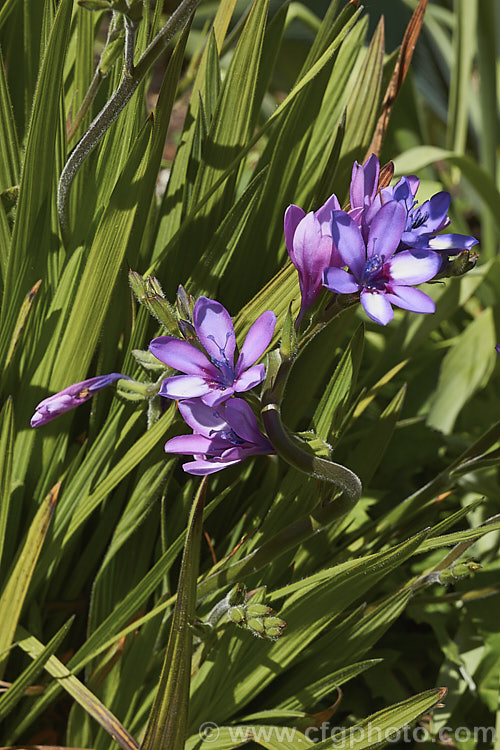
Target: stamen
{"points": [[224, 365], [419, 218]]}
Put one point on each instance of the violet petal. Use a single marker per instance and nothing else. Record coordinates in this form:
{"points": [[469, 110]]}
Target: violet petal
{"points": [[181, 355], [406, 268], [411, 299], [215, 331], [184, 386], [377, 307], [250, 378], [364, 181], [202, 418], [349, 242], [386, 230], [293, 216], [257, 340], [339, 281]]}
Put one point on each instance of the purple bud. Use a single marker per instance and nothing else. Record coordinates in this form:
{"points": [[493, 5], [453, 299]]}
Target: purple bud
{"points": [[70, 397]]}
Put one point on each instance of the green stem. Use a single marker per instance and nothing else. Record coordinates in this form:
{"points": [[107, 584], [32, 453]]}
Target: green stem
{"points": [[288, 446], [93, 88], [101, 124]]}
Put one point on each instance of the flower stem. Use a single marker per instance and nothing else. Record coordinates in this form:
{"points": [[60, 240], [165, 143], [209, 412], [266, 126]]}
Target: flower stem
{"points": [[132, 77], [289, 447]]}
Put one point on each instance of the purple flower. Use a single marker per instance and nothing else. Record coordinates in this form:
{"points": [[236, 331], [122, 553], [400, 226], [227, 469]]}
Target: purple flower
{"points": [[70, 397], [222, 435], [382, 277], [364, 182], [214, 378], [423, 222], [310, 246]]}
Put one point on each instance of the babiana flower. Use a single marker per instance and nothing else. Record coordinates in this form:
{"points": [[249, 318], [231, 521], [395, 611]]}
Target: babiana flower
{"points": [[423, 221], [71, 397], [374, 269], [308, 239], [214, 376], [223, 435]]}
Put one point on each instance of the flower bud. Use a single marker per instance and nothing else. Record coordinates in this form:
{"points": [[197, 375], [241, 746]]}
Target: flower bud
{"points": [[257, 625], [132, 390], [184, 303], [275, 622], [273, 633], [150, 294], [147, 360], [112, 53], [258, 610], [237, 594], [236, 615], [462, 263]]}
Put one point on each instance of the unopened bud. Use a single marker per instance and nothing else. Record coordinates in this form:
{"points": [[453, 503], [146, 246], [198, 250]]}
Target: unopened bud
{"points": [[132, 390], [236, 615], [258, 610], [257, 625], [462, 263], [237, 594], [184, 303], [275, 622], [112, 53], [273, 633], [147, 360], [150, 294], [187, 330]]}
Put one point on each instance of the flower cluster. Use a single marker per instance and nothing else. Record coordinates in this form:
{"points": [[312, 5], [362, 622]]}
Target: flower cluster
{"points": [[376, 251], [380, 248], [225, 429]]}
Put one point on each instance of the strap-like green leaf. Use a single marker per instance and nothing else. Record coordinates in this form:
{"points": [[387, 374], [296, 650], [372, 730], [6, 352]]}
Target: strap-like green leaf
{"points": [[9, 148], [370, 451], [101, 270], [16, 588], [334, 403], [15, 692], [383, 727], [167, 724], [6, 449], [79, 692], [37, 178]]}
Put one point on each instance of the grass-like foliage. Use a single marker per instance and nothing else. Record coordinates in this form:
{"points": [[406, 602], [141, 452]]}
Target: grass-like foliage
{"points": [[338, 579]]}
